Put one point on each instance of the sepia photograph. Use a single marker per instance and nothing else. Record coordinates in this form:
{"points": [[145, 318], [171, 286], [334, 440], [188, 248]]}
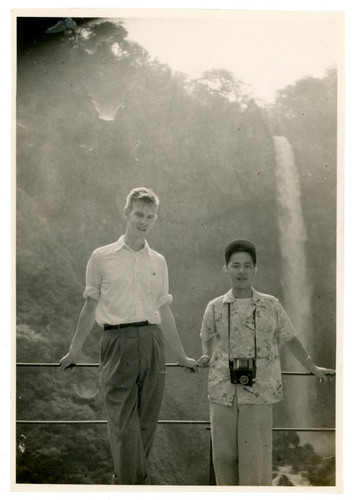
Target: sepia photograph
{"points": [[178, 190]]}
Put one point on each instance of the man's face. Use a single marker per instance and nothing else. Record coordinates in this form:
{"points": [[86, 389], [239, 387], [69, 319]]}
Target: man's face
{"points": [[241, 270], [141, 218]]}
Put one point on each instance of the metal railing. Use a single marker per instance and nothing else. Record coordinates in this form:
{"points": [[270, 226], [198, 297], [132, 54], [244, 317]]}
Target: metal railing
{"points": [[161, 422], [177, 422]]}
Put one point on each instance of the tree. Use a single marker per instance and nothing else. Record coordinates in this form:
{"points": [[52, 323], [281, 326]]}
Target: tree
{"points": [[221, 85]]}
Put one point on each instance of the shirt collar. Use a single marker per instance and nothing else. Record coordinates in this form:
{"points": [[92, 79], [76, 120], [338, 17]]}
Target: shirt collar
{"points": [[229, 297], [120, 243]]}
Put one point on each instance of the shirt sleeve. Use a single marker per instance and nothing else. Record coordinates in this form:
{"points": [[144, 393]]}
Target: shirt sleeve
{"points": [[93, 278], [164, 295], [208, 329], [285, 327]]}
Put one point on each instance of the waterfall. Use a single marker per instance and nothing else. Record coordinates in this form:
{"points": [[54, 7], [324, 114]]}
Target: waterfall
{"points": [[301, 403], [294, 280], [293, 235]]}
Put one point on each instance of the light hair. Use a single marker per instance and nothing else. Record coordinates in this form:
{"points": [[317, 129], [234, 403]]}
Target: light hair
{"points": [[142, 194]]}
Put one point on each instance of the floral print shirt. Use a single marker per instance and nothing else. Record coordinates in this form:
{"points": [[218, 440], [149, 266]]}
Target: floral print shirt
{"points": [[265, 316]]}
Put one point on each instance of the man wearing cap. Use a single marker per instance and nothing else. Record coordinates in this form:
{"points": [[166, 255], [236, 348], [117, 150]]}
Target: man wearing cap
{"points": [[127, 293], [240, 334]]}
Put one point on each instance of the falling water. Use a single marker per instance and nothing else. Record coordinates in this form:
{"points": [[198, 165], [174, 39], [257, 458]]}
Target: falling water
{"points": [[302, 394], [294, 279], [293, 236]]}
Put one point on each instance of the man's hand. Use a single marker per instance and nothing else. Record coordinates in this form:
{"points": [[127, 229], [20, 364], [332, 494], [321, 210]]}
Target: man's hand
{"points": [[85, 323], [204, 361], [189, 363], [323, 374], [67, 361]]}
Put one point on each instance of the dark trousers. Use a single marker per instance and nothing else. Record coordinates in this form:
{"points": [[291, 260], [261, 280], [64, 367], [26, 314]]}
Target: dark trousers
{"points": [[132, 378]]}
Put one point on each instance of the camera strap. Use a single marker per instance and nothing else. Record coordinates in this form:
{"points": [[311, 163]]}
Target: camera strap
{"points": [[229, 330]]}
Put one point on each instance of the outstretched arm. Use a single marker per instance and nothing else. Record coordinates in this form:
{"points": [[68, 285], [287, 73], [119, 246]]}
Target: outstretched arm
{"points": [[297, 349], [85, 323], [169, 329], [208, 337]]}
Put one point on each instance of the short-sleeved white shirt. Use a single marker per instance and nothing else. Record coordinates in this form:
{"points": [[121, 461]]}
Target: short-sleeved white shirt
{"points": [[129, 286]]}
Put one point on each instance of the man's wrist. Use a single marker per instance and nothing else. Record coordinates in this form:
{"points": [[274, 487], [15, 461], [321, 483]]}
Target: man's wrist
{"points": [[74, 350], [308, 364], [182, 359]]}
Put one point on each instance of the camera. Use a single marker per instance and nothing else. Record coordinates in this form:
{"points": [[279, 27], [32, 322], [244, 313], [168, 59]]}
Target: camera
{"points": [[242, 371]]}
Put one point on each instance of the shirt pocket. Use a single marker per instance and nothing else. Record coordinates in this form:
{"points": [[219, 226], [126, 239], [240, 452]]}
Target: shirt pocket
{"points": [[265, 331]]}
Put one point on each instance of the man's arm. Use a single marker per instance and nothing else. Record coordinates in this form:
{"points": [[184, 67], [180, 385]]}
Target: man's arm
{"points": [[297, 349], [85, 323], [207, 334], [207, 352], [169, 329]]}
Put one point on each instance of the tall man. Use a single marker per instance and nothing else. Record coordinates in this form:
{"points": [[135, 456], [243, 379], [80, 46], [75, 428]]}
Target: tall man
{"points": [[240, 335], [127, 293]]}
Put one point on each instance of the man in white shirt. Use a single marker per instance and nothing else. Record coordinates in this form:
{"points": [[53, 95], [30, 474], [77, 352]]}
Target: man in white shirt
{"points": [[127, 293]]}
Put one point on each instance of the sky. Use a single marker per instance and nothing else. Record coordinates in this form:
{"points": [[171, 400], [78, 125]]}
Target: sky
{"points": [[267, 51]]}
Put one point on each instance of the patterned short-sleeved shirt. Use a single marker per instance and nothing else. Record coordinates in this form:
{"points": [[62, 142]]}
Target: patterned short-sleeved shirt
{"points": [[266, 317]]}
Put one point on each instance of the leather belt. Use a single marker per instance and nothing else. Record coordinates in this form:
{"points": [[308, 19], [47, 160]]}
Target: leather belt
{"points": [[126, 325]]}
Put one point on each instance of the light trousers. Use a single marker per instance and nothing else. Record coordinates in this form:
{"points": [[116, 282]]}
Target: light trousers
{"points": [[242, 444], [132, 379]]}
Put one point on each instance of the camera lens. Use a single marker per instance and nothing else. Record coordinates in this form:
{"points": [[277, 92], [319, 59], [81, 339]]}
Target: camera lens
{"points": [[244, 380]]}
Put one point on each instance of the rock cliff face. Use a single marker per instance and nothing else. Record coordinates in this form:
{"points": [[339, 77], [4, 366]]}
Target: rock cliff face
{"points": [[92, 123]]}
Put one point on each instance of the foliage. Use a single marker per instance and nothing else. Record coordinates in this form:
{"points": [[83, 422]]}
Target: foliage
{"points": [[221, 86]]}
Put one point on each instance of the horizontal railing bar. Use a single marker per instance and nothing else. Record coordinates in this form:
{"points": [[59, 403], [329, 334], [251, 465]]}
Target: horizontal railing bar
{"points": [[96, 365], [175, 422], [197, 422], [80, 365], [304, 429]]}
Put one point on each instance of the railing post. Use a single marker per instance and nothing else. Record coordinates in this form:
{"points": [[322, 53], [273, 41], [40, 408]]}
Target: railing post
{"points": [[212, 479]]}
